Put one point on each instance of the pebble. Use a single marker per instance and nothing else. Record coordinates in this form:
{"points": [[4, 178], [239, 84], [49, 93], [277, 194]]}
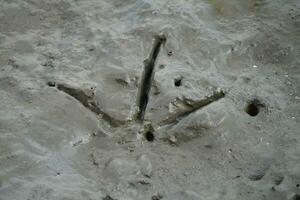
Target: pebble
{"points": [[173, 139]]}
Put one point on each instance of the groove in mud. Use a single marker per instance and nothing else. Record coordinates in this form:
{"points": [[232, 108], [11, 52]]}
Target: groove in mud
{"points": [[88, 102], [190, 107], [147, 76]]}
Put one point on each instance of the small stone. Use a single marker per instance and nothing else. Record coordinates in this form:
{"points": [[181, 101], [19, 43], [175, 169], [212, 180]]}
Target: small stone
{"points": [[173, 139]]}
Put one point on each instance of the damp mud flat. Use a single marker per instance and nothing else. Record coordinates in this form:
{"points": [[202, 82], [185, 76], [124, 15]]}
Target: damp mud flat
{"points": [[220, 112]]}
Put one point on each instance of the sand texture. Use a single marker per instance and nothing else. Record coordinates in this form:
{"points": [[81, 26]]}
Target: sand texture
{"points": [[223, 115]]}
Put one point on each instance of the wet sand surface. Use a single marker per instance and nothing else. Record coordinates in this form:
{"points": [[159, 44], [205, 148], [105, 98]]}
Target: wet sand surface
{"points": [[222, 120]]}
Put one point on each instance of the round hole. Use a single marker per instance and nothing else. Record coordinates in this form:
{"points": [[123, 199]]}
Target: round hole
{"points": [[51, 84], [149, 136], [177, 82], [170, 53], [252, 109]]}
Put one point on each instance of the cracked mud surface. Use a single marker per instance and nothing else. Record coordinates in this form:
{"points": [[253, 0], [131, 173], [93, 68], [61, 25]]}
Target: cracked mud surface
{"points": [[222, 120]]}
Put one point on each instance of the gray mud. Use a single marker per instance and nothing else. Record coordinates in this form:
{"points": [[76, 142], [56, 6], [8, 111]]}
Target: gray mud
{"points": [[222, 120]]}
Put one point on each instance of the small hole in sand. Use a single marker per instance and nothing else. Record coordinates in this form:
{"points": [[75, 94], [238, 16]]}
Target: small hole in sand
{"points": [[149, 136], [253, 107], [51, 84], [177, 82], [252, 110], [170, 53]]}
